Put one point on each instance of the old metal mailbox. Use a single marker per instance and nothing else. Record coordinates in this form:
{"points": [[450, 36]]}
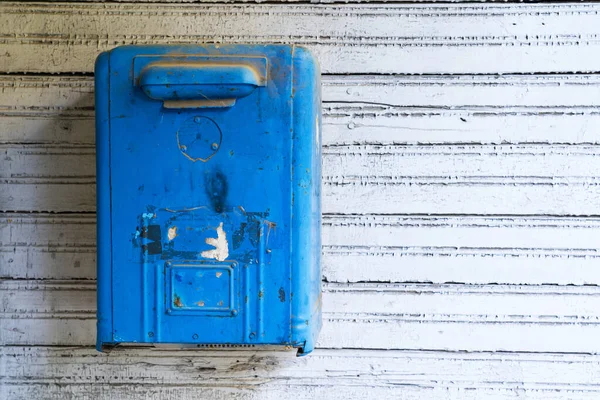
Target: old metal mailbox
{"points": [[208, 163]]}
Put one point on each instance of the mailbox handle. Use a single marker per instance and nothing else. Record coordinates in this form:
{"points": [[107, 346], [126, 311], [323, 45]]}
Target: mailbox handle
{"points": [[200, 84]]}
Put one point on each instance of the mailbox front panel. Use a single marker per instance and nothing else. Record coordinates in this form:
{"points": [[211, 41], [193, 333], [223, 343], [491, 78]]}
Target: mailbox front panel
{"points": [[196, 192]]}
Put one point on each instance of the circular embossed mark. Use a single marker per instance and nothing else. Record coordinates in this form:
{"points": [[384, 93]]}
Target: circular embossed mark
{"points": [[199, 138]]}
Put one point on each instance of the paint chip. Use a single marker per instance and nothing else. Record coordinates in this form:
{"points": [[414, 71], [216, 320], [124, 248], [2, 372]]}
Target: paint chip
{"points": [[218, 274], [200, 303], [172, 233], [177, 302], [221, 250]]}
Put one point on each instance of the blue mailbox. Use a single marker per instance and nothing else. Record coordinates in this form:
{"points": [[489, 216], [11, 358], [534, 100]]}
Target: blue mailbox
{"points": [[209, 169]]}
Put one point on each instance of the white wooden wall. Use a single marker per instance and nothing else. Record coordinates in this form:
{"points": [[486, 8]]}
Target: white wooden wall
{"points": [[461, 196]]}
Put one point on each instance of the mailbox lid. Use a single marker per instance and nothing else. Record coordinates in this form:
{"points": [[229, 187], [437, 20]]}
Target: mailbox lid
{"points": [[185, 175]]}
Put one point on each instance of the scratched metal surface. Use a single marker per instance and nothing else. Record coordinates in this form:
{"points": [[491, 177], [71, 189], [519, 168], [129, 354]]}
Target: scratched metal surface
{"points": [[459, 237]]}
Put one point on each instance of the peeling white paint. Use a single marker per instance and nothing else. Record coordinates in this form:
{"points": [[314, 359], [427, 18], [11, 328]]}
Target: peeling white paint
{"points": [[221, 250], [501, 188], [357, 39], [172, 234]]}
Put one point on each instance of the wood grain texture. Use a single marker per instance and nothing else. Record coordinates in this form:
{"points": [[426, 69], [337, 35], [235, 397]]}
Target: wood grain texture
{"points": [[367, 315], [380, 38], [75, 372], [291, 391]]}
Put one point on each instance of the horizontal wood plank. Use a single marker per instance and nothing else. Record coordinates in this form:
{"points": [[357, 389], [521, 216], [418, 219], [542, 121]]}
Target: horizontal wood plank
{"points": [[185, 392], [357, 109], [372, 248], [378, 316], [49, 373], [378, 38], [552, 180], [284, 1], [269, 392]]}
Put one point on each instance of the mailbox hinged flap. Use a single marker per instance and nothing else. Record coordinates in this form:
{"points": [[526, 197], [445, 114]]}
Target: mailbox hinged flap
{"points": [[199, 82]]}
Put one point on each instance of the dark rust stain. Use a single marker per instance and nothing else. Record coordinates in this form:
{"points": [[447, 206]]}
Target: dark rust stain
{"points": [[177, 302], [281, 295]]}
